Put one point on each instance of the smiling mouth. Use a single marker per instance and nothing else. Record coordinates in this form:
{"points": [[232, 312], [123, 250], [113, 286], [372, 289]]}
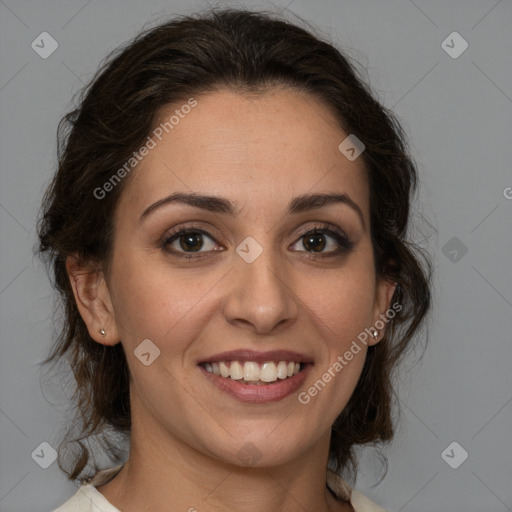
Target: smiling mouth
{"points": [[252, 372]]}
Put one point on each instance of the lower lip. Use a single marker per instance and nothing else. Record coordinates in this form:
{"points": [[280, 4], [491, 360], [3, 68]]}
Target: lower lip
{"points": [[258, 394]]}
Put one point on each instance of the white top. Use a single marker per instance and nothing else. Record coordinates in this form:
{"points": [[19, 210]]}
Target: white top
{"points": [[89, 499]]}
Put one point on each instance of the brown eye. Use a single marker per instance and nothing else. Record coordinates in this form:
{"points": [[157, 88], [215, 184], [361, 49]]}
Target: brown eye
{"points": [[186, 242], [323, 241], [315, 242], [191, 241]]}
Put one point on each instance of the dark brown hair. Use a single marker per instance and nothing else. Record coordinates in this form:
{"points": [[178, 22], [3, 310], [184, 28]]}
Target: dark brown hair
{"points": [[247, 52]]}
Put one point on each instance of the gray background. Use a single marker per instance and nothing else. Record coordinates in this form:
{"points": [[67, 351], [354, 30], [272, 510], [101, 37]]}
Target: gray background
{"points": [[458, 115]]}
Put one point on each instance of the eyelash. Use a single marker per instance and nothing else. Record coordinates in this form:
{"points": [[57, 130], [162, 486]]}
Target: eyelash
{"points": [[344, 243]]}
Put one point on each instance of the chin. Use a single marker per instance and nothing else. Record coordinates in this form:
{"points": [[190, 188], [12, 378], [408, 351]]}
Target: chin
{"points": [[259, 451]]}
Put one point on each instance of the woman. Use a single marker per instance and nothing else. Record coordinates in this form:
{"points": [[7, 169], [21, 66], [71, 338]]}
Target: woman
{"points": [[227, 231]]}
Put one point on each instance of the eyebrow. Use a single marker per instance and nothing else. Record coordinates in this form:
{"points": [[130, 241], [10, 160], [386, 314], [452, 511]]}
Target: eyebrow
{"points": [[217, 204]]}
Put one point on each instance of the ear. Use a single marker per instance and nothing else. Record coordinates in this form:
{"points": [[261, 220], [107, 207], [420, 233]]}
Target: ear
{"points": [[92, 298], [383, 294]]}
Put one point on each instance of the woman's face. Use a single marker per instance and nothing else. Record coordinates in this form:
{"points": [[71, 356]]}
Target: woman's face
{"points": [[246, 277]]}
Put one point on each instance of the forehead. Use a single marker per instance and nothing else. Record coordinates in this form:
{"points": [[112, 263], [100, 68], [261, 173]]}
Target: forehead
{"points": [[254, 149]]}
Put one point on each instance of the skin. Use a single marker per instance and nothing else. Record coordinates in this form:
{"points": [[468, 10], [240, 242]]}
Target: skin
{"points": [[258, 151]]}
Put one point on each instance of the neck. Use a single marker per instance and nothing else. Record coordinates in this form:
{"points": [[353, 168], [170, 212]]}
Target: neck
{"points": [[164, 472]]}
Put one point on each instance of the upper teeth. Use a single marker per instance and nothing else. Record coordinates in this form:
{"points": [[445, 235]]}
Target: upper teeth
{"points": [[253, 371]]}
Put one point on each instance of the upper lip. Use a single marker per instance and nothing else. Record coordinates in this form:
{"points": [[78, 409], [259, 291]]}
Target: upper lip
{"points": [[259, 357]]}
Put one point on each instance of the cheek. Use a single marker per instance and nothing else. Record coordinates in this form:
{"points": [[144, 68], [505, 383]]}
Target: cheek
{"points": [[342, 304], [156, 302]]}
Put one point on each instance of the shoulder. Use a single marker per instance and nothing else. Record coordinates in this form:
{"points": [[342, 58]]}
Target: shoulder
{"points": [[361, 503], [88, 498], [358, 500]]}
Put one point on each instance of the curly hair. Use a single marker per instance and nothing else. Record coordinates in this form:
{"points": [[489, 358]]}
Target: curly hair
{"points": [[243, 51]]}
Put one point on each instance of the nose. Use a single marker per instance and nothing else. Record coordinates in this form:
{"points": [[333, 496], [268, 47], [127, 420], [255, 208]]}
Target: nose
{"points": [[260, 298]]}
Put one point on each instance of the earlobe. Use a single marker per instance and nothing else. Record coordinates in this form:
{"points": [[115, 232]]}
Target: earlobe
{"points": [[92, 298]]}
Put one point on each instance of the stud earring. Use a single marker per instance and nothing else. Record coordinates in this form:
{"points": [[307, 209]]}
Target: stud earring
{"points": [[102, 332], [375, 333]]}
